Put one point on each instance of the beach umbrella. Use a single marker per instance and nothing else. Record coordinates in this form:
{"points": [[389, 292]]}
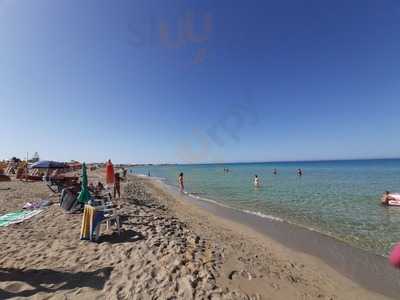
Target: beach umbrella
{"points": [[48, 164], [84, 194], [109, 173]]}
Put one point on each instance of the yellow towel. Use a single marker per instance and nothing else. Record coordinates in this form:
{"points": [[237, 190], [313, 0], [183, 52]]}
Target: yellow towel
{"points": [[88, 214]]}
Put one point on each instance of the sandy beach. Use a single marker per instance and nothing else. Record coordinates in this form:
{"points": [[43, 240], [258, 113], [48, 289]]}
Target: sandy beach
{"points": [[169, 249]]}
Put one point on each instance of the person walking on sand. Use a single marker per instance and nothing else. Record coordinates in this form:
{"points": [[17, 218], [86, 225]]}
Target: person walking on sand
{"points": [[117, 185], [256, 181], [181, 182], [124, 172]]}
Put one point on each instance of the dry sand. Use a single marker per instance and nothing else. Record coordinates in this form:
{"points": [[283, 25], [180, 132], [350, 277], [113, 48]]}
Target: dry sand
{"points": [[169, 249]]}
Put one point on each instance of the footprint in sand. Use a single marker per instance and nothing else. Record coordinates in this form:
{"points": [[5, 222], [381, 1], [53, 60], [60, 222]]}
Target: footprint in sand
{"points": [[243, 274], [17, 287]]}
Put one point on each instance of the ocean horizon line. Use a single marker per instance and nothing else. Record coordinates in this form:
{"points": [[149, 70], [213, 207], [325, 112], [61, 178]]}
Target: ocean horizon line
{"points": [[268, 162]]}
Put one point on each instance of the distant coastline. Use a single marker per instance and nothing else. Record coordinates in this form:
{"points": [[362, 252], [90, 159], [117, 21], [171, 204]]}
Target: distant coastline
{"points": [[255, 162]]}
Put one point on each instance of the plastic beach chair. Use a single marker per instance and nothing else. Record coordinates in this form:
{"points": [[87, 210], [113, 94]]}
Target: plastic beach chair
{"points": [[108, 215]]}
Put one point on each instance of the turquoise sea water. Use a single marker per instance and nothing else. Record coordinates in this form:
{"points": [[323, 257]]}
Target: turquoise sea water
{"points": [[338, 198]]}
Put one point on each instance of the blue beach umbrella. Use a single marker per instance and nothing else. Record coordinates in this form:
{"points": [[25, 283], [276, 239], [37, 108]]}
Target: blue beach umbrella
{"points": [[48, 164]]}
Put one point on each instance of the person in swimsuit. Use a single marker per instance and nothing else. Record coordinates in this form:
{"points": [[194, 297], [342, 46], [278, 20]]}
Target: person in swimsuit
{"points": [[386, 198], [117, 185], [181, 182], [256, 181], [299, 172], [275, 171], [125, 172]]}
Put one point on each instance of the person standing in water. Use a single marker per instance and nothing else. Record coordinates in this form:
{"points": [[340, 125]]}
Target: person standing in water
{"points": [[275, 171], [181, 182], [256, 181], [299, 172]]}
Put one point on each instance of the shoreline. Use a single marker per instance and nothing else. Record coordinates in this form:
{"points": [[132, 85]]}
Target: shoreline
{"points": [[194, 197], [369, 270]]}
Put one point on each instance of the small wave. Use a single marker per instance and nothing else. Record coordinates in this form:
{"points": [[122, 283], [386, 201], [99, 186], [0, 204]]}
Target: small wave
{"points": [[197, 193], [159, 178], [195, 196], [151, 177], [256, 213], [261, 215]]}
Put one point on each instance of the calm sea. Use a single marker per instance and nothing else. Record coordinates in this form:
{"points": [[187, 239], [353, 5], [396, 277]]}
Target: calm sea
{"points": [[338, 198]]}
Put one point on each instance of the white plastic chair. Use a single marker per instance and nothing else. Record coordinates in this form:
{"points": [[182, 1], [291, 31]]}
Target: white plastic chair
{"points": [[110, 214]]}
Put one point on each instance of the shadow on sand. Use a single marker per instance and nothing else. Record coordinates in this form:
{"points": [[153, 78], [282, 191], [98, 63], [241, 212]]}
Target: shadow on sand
{"points": [[127, 236], [50, 281]]}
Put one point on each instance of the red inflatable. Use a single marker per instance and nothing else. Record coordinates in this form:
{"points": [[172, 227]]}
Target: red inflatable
{"points": [[394, 257]]}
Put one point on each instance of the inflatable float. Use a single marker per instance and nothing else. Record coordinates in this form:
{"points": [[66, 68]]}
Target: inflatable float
{"points": [[392, 199]]}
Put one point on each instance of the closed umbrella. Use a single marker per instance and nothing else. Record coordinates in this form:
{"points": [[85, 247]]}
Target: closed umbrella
{"points": [[84, 195], [109, 173]]}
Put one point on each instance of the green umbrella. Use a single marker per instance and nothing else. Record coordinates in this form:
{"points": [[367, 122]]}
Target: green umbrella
{"points": [[84, 195]]}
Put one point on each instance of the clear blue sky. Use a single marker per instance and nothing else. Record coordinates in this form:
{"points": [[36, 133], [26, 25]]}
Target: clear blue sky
{"points": [[186, 81]]}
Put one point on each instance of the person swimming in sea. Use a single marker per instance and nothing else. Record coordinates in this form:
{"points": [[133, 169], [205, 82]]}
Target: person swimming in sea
{"points": [[256, 181], [299, 172], [181, 182], [386, 198]]}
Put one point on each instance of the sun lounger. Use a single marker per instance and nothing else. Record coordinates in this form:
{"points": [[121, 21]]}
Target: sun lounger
{"points": [[33, 177], [20, 173], [69, 200], [4, 178], [58, 183]]}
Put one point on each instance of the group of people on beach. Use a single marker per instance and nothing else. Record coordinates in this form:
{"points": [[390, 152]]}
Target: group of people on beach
{"points": [[256, 181]]}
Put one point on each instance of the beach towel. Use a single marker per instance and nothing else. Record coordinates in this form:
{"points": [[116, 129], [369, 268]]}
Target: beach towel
{"points": [[87, 218], [17, 217]]}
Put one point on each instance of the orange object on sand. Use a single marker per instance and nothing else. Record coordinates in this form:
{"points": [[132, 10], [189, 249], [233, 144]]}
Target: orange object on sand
{"points": [[109, 172]]}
